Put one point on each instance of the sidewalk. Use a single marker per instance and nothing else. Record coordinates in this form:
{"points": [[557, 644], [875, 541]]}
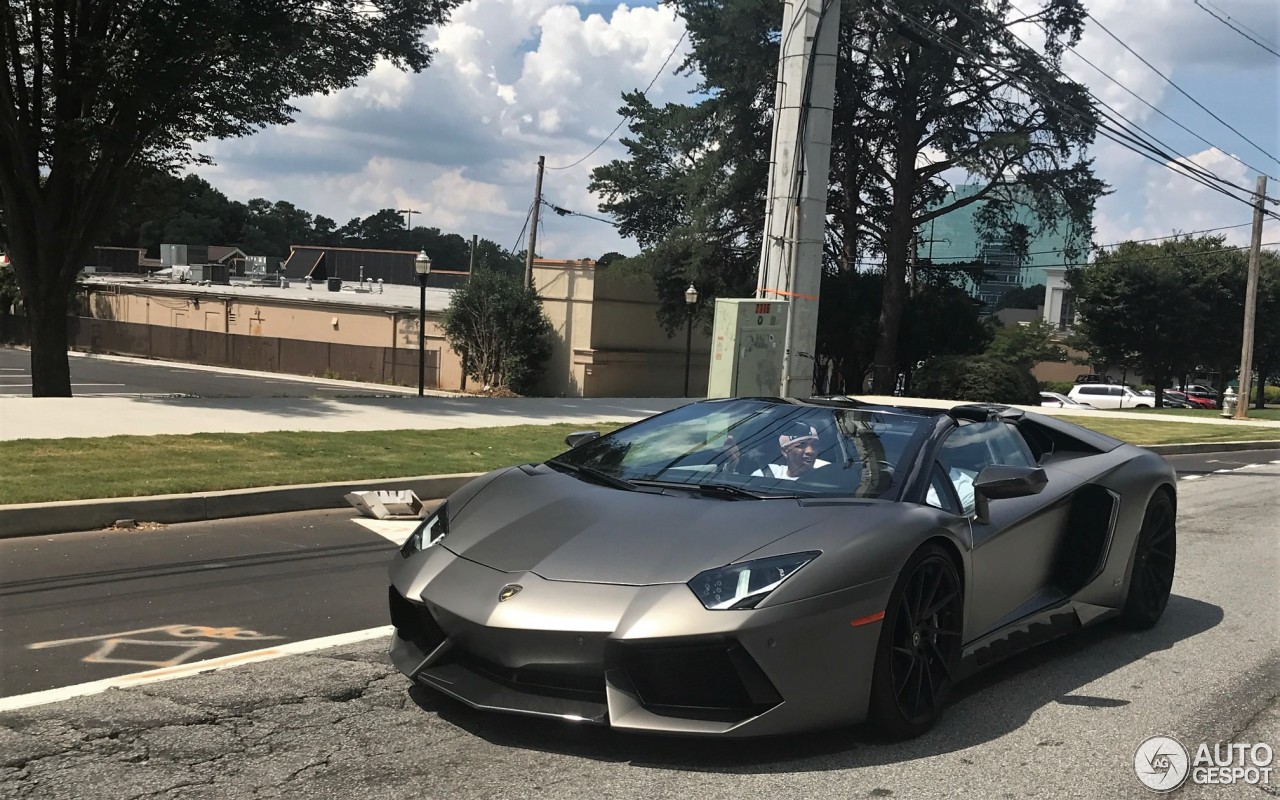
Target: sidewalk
{"points": [[52, 418], [57, 418]]}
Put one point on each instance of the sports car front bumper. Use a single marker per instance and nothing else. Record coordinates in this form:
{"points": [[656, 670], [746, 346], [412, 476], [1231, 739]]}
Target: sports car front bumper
{"points": [[642, 658]]}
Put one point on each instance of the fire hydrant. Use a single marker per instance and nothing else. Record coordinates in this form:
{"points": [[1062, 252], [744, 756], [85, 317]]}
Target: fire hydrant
{"points": [[1229, 403]]}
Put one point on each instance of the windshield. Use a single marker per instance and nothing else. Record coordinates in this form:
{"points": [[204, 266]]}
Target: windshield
{"points": [[767, 449]]}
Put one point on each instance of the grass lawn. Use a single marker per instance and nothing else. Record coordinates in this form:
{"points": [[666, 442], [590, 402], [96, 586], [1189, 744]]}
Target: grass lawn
{"points": [[1254, 413], [41, 470], [1162, 432]]}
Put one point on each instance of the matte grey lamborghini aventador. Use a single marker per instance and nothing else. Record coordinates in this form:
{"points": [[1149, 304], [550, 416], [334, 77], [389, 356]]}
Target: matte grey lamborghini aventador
{"points": [[749, 567]]}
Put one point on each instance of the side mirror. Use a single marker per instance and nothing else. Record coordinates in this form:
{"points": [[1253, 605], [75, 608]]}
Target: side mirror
{"points": [[578, 437], [1001, 482]]}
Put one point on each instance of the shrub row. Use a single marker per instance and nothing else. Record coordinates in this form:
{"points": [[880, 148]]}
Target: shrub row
{"points": [[975, 379]]}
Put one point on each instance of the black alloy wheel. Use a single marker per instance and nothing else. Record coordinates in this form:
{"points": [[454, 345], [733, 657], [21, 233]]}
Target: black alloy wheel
{"points": [[919, 646], [1153, 565]]}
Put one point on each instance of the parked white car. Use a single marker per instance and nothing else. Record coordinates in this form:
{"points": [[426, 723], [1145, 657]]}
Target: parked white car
{"points": [[1055, 400], [1109, 395]]}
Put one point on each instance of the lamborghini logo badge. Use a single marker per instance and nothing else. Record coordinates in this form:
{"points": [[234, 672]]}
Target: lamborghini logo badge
{"points": [[509, 591]]}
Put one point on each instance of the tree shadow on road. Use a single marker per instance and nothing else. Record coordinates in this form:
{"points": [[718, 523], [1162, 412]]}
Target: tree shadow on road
{"points": [[990, 705]]}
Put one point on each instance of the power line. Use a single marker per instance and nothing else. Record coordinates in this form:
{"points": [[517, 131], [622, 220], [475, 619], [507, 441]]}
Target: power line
{"points": [[1182, 91], [1234, 28], [1105, 127], [978, 264], [1139, 241], [622, 121], [564, 212], [520, 235], [1113, 126], [1142, 99]]}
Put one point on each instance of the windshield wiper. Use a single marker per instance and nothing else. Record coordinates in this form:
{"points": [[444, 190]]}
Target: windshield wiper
{"points": [[716, 490], [597, 475]]}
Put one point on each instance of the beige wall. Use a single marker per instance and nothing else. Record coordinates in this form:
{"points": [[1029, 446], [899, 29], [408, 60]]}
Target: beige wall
{"points": [[608, 340], [566, 290], [332, 322]]}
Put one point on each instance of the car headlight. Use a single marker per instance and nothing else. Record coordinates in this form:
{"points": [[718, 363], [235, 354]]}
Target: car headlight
{"points": [[745, 584], [429, 531]]}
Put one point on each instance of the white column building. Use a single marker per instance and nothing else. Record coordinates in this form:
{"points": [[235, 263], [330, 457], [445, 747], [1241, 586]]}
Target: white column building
{"points": [[1059, 306]]}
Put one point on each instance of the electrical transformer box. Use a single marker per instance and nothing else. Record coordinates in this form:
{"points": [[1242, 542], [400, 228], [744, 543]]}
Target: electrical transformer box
{"points": [[747, 347]]}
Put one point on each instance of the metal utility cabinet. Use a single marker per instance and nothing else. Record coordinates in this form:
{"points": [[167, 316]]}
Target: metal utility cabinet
{"points": [[747, 347]]}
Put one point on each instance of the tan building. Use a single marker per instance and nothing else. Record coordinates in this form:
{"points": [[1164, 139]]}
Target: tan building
{"points": [[608, 341]]}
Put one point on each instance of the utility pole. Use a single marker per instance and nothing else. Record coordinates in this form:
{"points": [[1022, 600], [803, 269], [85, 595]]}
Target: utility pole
{"points": [[471, 269], [800, 162], [1251, 302], [409, 212], [533, 224]]}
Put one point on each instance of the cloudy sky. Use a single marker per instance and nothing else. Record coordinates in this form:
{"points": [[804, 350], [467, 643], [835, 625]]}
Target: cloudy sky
{"points": [[515, 79]]}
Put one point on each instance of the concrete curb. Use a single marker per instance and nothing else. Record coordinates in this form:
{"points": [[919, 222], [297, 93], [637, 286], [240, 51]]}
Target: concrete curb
{"points": [[1210, 447], [32, 519]]}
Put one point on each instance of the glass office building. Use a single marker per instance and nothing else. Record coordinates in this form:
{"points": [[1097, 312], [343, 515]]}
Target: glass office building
{"points": [[953, 239]]}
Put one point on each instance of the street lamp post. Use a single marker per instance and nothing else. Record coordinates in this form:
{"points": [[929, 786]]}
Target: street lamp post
{"points": [[690, 300], [422, 265]]}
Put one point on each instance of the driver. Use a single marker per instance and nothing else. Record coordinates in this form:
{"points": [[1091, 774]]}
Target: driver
{"points": [[799, 443]]}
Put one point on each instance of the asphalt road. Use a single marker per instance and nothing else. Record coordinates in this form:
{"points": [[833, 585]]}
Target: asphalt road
{"points": [[80, 607], [97, 377], [85, 606], [1062, 721]]}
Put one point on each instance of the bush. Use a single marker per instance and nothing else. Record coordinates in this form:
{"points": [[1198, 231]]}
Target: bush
{"points": [[975, 379], [1061, 387], [497, 325], [1272, 393]]}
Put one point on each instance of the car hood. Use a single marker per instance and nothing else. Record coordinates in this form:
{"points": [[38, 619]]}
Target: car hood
{"points": [[566, 529]]}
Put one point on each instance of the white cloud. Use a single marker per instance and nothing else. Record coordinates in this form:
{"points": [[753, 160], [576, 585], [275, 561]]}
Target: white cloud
{"points": [[515, 79], [512, 80]]}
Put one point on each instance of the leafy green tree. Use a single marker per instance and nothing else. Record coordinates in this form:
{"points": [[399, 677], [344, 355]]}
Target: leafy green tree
{"points": [[91, 90], [497, 325], [1025, 346], [921, 89], [976, 379], [1153, 305], [941, 320]]}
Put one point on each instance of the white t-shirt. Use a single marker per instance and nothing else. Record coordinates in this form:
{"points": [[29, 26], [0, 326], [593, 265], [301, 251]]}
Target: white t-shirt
{"points": [[779, 471], [962, 479]]}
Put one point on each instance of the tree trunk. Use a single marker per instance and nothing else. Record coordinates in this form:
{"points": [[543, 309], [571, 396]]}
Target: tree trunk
{"points": [[50, 370], [884, 368], [901, 234]]}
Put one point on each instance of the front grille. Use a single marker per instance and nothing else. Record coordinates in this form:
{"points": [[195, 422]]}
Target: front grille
{"points": [[712, 681], [414, 623], [542, 680]]}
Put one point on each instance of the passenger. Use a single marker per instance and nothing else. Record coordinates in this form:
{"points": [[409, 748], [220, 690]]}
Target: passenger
{"points": [[799, 450]]}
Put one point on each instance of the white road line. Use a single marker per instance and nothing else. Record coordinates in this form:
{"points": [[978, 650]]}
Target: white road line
{"points": [[74, 385], [184, 670], [1192, 477]]}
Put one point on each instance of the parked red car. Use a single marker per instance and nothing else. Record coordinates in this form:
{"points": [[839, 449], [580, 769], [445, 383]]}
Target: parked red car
{"points": [[1198, 402]]}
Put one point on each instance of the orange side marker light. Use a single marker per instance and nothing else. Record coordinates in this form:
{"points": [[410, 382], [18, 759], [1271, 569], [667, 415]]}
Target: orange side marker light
{"points": [[867, 620]]}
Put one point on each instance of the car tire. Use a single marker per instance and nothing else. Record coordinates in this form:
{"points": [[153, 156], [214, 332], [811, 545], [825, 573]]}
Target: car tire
{"points": [[918, 655], [1151, 578]]}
